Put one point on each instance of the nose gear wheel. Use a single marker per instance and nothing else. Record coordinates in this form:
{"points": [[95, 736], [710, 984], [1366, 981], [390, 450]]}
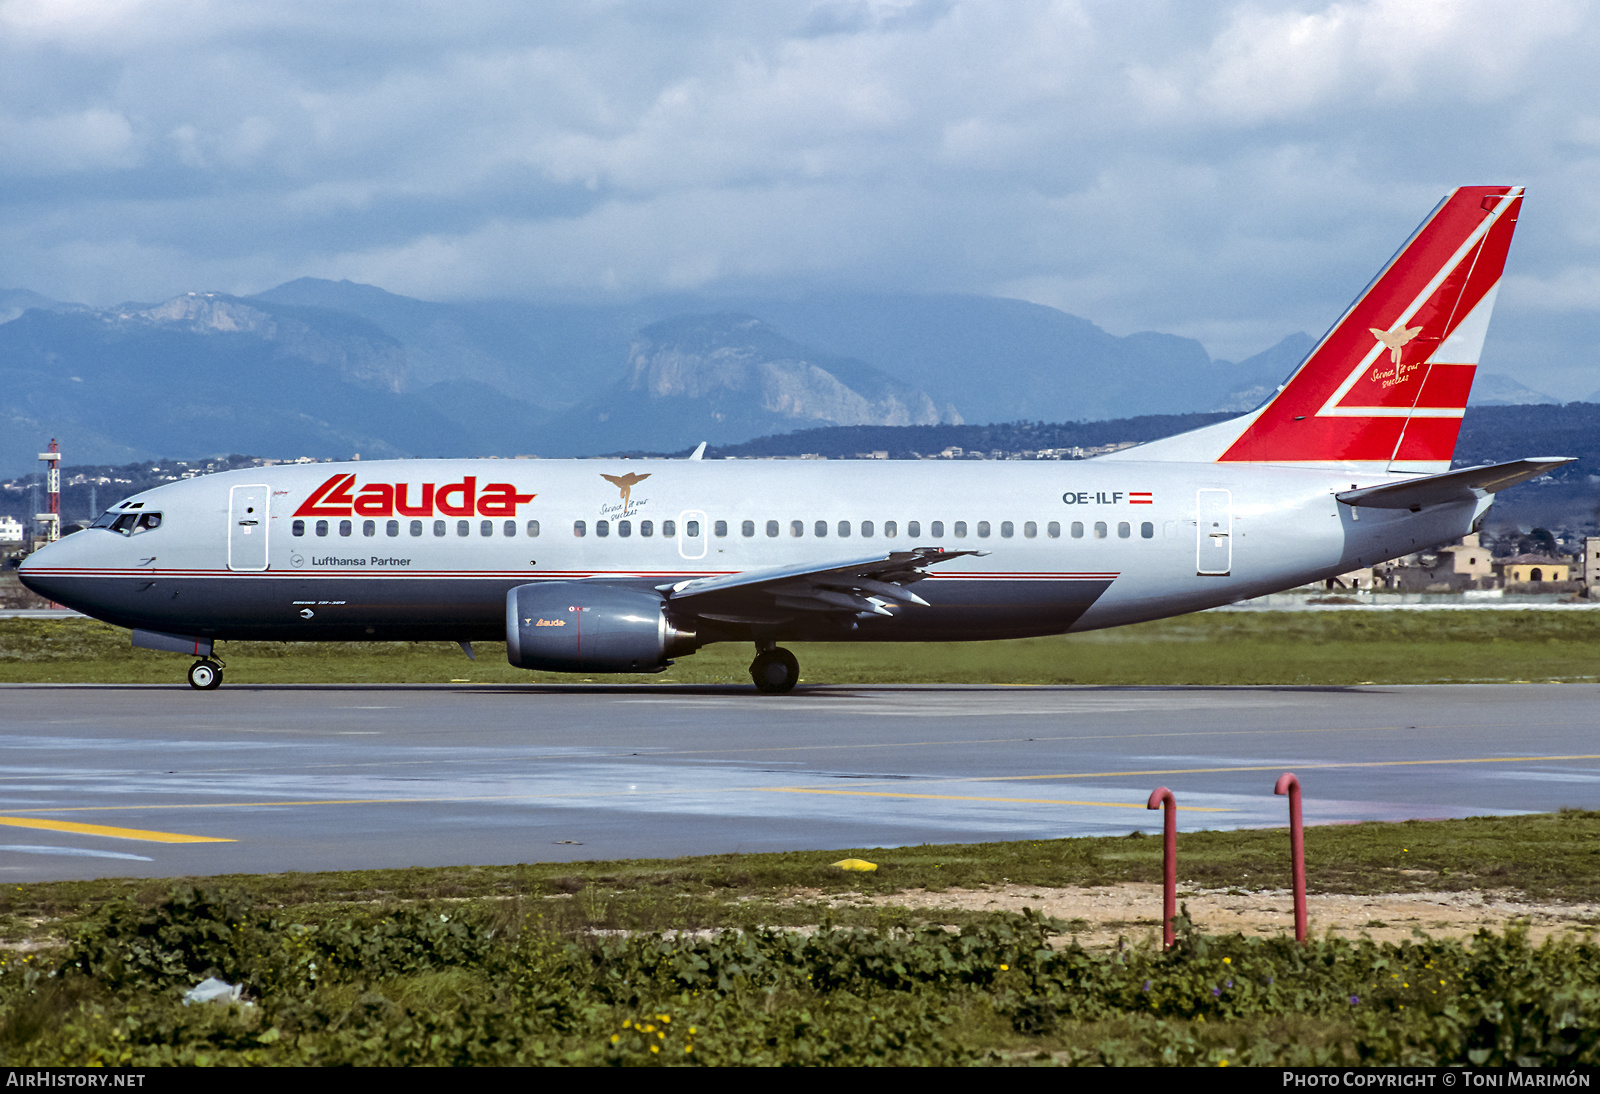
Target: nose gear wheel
{"points": [[205, 675]]}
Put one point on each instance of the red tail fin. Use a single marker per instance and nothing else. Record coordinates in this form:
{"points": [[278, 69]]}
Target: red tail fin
{"points": [[1388, 384]]}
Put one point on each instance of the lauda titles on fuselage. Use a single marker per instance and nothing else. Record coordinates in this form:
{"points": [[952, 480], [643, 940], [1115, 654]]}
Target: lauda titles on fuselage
{"points": [[605, 566], [342, 496]]}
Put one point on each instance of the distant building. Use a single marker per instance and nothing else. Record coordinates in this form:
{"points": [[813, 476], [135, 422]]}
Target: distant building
{"points": [[1468, 559], [1454, 569], [11, 531], [1591, 561], [1535, 569]]}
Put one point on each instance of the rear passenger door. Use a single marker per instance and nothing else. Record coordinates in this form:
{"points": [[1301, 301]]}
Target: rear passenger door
{"points": [[1214, 533]]}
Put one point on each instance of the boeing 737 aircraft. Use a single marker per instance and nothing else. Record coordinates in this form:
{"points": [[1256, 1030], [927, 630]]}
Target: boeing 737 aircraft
{"points": [[594, 566]]}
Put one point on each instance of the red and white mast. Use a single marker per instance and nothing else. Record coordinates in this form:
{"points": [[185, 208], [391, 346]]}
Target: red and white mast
{"points": [[52, 477]]}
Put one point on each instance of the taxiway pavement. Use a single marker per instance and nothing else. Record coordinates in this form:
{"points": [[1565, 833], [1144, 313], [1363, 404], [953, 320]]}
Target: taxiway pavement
{"points": [[99, 781]]}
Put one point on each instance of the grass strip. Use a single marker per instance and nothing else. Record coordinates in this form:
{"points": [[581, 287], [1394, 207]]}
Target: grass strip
{"points": [[1209, 648]]}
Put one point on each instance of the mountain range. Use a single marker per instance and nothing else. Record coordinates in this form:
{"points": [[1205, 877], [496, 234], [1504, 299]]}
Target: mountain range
{"points": [[328, 369]]}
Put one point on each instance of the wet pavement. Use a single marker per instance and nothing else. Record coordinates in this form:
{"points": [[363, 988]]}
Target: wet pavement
{"points": [[157, 780]]}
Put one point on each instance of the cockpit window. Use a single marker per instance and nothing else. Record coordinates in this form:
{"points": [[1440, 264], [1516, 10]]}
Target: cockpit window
{"points": [[128, 523]]}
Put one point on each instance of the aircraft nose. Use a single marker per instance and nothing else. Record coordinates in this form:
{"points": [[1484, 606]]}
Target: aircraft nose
{"points": [[28, 573], [40, 572]]}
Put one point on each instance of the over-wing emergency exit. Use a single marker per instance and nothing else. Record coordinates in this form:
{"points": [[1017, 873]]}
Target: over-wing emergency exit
{"points": [[611, 567]]}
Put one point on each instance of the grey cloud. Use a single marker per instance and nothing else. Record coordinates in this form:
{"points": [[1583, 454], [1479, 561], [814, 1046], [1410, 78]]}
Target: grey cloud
{"points": [[1233, 172]]}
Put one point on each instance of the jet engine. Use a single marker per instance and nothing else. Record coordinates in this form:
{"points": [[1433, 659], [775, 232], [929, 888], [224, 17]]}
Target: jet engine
{"points": [[570, 626]]}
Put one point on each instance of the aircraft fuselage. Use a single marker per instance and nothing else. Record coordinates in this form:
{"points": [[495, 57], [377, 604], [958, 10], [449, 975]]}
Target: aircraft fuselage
{"points": [[1071, 546]]}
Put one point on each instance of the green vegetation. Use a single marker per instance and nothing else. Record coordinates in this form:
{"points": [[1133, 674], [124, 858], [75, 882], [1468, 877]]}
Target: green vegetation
{"points": [[696, 961], [1229, 648], [428, 987]]}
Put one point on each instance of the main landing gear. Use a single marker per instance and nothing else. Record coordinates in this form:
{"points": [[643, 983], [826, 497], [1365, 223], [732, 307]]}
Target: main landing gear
{"points": [[775, 671], [205, 674]]}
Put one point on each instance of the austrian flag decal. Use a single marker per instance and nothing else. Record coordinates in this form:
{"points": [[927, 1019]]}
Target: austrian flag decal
{"points": [[1141, 497], [339, 497]]}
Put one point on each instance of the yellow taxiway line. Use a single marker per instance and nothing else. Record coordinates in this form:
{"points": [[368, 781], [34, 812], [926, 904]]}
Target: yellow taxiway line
{"points": [[114, 833]]}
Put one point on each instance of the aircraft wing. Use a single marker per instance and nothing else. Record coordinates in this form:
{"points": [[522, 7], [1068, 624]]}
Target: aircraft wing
{"points": [[861, 587], [1463, 485]]}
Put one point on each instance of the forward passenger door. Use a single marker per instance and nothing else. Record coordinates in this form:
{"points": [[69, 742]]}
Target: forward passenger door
{"points": [[247, 527]]}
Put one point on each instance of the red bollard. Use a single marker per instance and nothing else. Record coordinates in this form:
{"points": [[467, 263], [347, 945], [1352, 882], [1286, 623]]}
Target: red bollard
{"points": [[1288, 784], [1169, 860]]}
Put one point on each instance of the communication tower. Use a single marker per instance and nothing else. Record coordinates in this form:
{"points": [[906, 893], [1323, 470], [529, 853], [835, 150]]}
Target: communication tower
{"points": [[52, 478]]}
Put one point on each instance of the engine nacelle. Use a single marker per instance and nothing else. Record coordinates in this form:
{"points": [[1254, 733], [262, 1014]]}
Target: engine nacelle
{"points": [[570, 626]]}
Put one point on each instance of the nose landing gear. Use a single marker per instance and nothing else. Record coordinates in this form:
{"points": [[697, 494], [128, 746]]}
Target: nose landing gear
{"points": [[205, 674], [775, 671]]}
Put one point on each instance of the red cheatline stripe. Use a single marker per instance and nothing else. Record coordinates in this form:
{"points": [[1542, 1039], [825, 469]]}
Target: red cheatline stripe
{"points": [[678, 575]]}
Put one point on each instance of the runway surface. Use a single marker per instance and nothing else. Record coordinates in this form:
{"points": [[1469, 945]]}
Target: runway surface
{"points": [[99, 781]]}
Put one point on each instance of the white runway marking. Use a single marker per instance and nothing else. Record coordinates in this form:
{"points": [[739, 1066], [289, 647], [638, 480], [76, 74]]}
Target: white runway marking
{"points": [[81, 852]]}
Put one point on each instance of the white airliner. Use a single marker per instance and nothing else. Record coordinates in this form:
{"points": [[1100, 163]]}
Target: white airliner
{"points": [[594, 566]]}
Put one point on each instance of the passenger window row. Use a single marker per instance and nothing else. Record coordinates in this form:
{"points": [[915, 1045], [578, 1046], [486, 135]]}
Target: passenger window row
{"points": [[796, 528], [866, 529], [647, 528], [391, 528]]}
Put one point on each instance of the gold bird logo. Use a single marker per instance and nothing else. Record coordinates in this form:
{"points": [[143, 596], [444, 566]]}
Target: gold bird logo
{"points": [[1395, 340], [625, 483]]}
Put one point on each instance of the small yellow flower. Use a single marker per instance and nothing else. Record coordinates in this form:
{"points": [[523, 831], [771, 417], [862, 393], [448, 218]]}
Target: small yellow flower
{"points": [[1005, 968], [1227, 960]]}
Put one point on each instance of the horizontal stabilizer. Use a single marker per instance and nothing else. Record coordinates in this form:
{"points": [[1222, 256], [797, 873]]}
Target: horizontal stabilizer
{"points": [[1463, 485]]}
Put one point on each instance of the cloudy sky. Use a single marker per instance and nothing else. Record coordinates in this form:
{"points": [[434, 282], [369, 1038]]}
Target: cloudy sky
{"points": [[1233, 172]]}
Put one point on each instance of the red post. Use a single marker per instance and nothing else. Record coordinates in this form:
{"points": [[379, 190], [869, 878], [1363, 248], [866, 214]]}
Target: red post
{"points": [[1288, 784], [1159, 797]]}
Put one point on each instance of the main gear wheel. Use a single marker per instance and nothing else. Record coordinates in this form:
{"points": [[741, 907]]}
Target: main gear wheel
{"points": [[775, 671]]}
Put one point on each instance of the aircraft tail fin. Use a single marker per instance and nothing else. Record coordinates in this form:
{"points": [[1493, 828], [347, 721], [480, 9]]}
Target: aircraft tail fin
{"points": [[1386, 387]]}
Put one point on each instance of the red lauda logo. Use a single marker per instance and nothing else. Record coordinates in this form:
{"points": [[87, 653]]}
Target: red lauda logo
{"points": [[334, 498]]}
